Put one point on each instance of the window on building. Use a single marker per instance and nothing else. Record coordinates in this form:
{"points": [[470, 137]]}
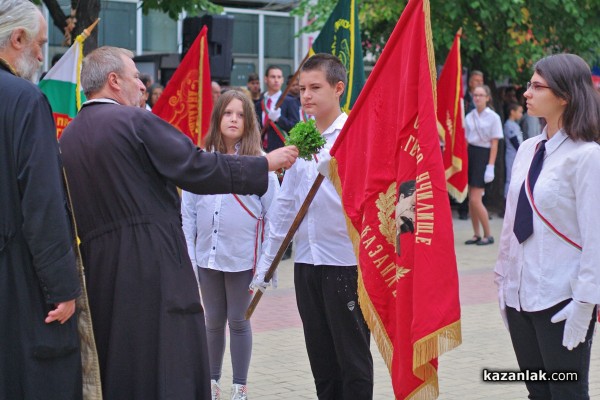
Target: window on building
{"points": [[117, 25], [279, 44], [159, 33], [279, 37], [245, 47]]}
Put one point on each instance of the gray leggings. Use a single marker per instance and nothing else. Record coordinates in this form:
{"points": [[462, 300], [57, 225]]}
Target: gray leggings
{"points": [[225, 297]]}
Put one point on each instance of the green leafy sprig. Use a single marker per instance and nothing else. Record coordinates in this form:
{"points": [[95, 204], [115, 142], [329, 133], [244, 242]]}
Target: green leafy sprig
{"points": [[307, 138]]}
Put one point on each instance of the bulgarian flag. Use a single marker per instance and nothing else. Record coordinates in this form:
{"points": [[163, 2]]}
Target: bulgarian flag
{"points": [[186, 102], [387, 166], [62, 85], [451, 116], [340, 36]]}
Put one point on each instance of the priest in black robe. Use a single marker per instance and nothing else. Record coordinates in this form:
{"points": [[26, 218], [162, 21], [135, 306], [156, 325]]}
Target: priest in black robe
{"points": [[123, 165], [39, 345]]}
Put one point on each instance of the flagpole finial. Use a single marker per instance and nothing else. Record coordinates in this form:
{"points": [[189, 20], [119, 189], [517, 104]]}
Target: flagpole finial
{"points": [[88, 31]]}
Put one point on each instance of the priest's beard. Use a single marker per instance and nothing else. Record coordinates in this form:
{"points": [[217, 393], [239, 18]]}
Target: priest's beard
{"points": [[27, 66]]}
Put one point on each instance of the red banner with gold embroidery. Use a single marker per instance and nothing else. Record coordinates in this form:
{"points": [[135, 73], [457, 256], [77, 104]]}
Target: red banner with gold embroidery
{"points": [[387, 163], [451, 115], [186, 102]]}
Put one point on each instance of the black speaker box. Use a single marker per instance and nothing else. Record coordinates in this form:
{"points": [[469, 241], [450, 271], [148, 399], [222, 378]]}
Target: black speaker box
{"points": [[220, 43]]}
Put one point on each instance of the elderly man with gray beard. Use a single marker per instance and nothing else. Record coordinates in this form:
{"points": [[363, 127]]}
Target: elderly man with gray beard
{"points": [[39, 345]]}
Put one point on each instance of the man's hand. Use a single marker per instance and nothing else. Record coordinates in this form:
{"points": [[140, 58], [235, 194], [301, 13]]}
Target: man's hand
{"points": [[62, 312], [283, 157], [275, 114]]}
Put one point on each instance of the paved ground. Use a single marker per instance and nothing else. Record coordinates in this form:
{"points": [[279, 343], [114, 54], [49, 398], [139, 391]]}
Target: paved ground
{"points": [[280, 369]]}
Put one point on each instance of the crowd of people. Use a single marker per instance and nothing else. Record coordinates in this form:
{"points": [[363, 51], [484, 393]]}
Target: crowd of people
{"points": [[165, 275]]}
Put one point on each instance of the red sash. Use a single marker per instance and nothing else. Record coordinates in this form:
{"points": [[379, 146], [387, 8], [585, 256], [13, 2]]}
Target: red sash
{"points": [[260, 230], [273, 125], [552, 227], [544, 220]]}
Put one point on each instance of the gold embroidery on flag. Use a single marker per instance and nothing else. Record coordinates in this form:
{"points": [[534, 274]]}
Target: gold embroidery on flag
{"points": [[185, 102], [385, 205]]}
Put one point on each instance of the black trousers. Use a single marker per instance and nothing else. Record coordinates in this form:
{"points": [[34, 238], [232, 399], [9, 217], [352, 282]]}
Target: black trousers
{"points": [[335, 332], [538, 346]]}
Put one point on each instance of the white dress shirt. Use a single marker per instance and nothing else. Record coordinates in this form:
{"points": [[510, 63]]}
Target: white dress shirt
{"points": [[482, 128], [545, 270], [274, 98], [322, 238], [220, 234]]}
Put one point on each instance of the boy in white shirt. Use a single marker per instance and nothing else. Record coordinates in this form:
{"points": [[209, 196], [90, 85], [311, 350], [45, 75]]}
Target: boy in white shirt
{"points": [[325, 271]]}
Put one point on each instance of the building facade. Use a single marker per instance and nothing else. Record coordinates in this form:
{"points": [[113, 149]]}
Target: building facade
{"points": [[261, 35]]}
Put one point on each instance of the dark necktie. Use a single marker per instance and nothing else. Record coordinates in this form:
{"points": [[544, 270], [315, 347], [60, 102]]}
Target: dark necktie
{"points": [[523, 227]]}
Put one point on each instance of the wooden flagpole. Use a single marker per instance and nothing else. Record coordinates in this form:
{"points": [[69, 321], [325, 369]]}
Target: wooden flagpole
{"points": [[286, 241], [88, 31]]}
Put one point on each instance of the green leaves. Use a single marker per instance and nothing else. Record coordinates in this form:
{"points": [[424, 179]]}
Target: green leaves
{"points": [[307, 138], [501, 38], [174, 7], [317, 14]]}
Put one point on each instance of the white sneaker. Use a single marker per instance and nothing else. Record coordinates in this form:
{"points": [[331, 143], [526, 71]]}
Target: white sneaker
{"points": [[215, 390], [239, 392]]}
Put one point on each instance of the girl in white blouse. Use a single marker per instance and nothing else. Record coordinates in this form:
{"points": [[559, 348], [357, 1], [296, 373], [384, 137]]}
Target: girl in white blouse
{"points": [[483, 129], [548, 268], [224, 235]]}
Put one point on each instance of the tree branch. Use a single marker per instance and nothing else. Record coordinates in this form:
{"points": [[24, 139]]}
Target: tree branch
{"points": [[58, 16]]}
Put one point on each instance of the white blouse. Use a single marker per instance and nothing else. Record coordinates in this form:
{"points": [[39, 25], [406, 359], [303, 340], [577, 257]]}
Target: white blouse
{"points": [[220, 233], [545, 270], [482, 128]]}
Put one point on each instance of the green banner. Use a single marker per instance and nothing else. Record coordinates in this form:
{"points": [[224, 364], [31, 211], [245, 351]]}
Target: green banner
{"points": [[340, 36]]}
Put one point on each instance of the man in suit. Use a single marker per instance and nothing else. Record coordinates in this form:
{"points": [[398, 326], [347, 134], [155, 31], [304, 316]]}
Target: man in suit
{"points": [[275, 121]]}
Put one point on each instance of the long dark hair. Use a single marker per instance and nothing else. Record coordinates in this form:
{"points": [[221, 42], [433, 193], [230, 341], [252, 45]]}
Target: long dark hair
{"points": [[570, 79]]}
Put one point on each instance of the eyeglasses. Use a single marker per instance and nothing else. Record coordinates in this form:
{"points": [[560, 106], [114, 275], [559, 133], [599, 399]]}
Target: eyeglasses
{"points": [[536, 86]]}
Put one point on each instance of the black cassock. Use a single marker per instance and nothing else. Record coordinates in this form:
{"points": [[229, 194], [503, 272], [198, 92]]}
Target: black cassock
{"points": [[37, 262], [122, 166]]}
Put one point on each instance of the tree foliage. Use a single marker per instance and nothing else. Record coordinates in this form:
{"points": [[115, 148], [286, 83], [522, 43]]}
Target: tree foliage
{"points": [[85, 12], [501, 38]]}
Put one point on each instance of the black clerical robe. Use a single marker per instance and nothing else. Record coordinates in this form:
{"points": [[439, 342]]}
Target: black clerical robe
{"points": [[123, 164], [37, 261]]}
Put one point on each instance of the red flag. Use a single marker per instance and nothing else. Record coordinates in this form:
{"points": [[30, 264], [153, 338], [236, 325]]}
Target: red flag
{"points": [[389, 144], [186, 102], [451, 115]]}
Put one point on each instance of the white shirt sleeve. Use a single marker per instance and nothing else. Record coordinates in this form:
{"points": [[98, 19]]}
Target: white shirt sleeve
{"points": [[188, 219], [281, 215], [267, 201], [586, 284]]}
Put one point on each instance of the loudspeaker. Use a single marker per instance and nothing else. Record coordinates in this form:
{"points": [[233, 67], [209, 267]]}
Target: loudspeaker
{"points": [[160, 67], [220, 42]]}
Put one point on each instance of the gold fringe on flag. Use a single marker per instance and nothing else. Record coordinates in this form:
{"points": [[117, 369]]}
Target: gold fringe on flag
{"points": [[425, 349], [459, 195], [384, 344]]}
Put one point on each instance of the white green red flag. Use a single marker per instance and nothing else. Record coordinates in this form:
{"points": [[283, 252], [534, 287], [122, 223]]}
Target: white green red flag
{"points": [[62, 85]]}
